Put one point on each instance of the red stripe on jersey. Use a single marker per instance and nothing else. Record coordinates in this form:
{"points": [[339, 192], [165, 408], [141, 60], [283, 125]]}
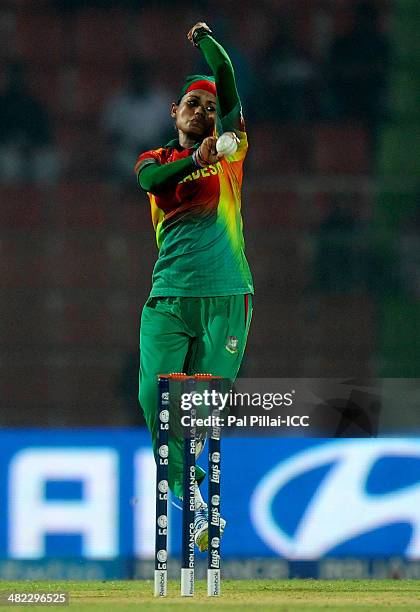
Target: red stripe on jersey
{"points": [[246, 308]]}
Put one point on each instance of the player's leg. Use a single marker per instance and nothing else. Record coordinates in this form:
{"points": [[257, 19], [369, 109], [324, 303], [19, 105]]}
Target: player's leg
{"points": [[221, 325], [225, 323], [164, 345]]}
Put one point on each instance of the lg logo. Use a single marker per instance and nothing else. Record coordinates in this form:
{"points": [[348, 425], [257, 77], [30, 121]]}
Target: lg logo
{"points": [[341, 508]]}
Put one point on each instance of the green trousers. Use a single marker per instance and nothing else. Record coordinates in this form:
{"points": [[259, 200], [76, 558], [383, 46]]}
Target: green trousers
{"points": [[191, 335]]}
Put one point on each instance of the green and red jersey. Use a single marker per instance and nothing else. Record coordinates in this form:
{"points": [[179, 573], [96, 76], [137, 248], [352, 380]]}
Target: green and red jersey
{"points": [[196, 213]]}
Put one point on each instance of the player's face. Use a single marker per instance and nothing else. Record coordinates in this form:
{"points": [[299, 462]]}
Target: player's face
{"points": [[195, 114]]}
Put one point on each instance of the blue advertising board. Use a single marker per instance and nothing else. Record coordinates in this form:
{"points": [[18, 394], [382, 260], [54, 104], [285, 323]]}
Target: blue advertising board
{"points": [[89, 494]]}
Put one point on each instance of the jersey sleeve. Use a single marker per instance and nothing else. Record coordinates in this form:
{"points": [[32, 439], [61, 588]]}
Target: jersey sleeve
{"points": [[148, 157], [228, 102], [154, 175]]}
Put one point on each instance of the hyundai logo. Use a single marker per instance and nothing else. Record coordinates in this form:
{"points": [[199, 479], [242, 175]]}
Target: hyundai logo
{"points": [[342, 507]]}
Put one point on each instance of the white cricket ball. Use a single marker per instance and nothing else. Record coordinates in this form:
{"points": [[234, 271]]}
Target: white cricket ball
{"points": [[227, 143]]}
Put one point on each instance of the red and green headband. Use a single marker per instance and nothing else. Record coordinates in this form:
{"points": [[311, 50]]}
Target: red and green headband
{"points": [[198, 81]]}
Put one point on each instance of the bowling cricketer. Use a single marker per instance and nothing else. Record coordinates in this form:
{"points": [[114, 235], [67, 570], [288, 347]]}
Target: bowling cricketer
{"points": [[198, 314]]}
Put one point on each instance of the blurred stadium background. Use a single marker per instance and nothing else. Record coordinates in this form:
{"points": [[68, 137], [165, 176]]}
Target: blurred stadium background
{"points": [[331, 95]]}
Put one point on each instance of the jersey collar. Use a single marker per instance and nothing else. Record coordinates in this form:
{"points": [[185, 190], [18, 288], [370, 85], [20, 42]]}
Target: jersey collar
{"points": [[174, 144]]}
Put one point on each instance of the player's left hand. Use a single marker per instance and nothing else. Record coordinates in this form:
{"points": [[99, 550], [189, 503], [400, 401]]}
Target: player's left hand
{"points": [[199, 24]]}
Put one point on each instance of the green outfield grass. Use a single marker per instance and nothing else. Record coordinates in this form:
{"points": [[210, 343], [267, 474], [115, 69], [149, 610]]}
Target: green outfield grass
{"points": [[238, 595]]}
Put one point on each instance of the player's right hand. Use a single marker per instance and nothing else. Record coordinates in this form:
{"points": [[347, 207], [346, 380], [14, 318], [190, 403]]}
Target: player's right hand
{"points": [[208, 152]]}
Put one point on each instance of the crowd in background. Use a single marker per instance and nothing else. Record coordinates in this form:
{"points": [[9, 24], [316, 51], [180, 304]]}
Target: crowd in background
{"points": [[334, 71], [85, 86]]}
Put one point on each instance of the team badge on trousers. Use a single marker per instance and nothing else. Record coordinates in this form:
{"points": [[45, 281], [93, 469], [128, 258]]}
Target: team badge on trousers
{"points": [[232, 344]]}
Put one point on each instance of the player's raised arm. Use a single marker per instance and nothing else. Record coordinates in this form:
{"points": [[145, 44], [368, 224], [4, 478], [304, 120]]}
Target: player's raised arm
{"points": [[228, 101], [203, 101]]}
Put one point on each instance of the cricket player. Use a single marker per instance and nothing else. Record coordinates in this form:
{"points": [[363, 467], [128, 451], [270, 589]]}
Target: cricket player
{"points": [[197, 317]]}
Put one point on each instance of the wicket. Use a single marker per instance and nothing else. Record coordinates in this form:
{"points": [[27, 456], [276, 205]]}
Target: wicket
{"points": [[162, 488]]}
